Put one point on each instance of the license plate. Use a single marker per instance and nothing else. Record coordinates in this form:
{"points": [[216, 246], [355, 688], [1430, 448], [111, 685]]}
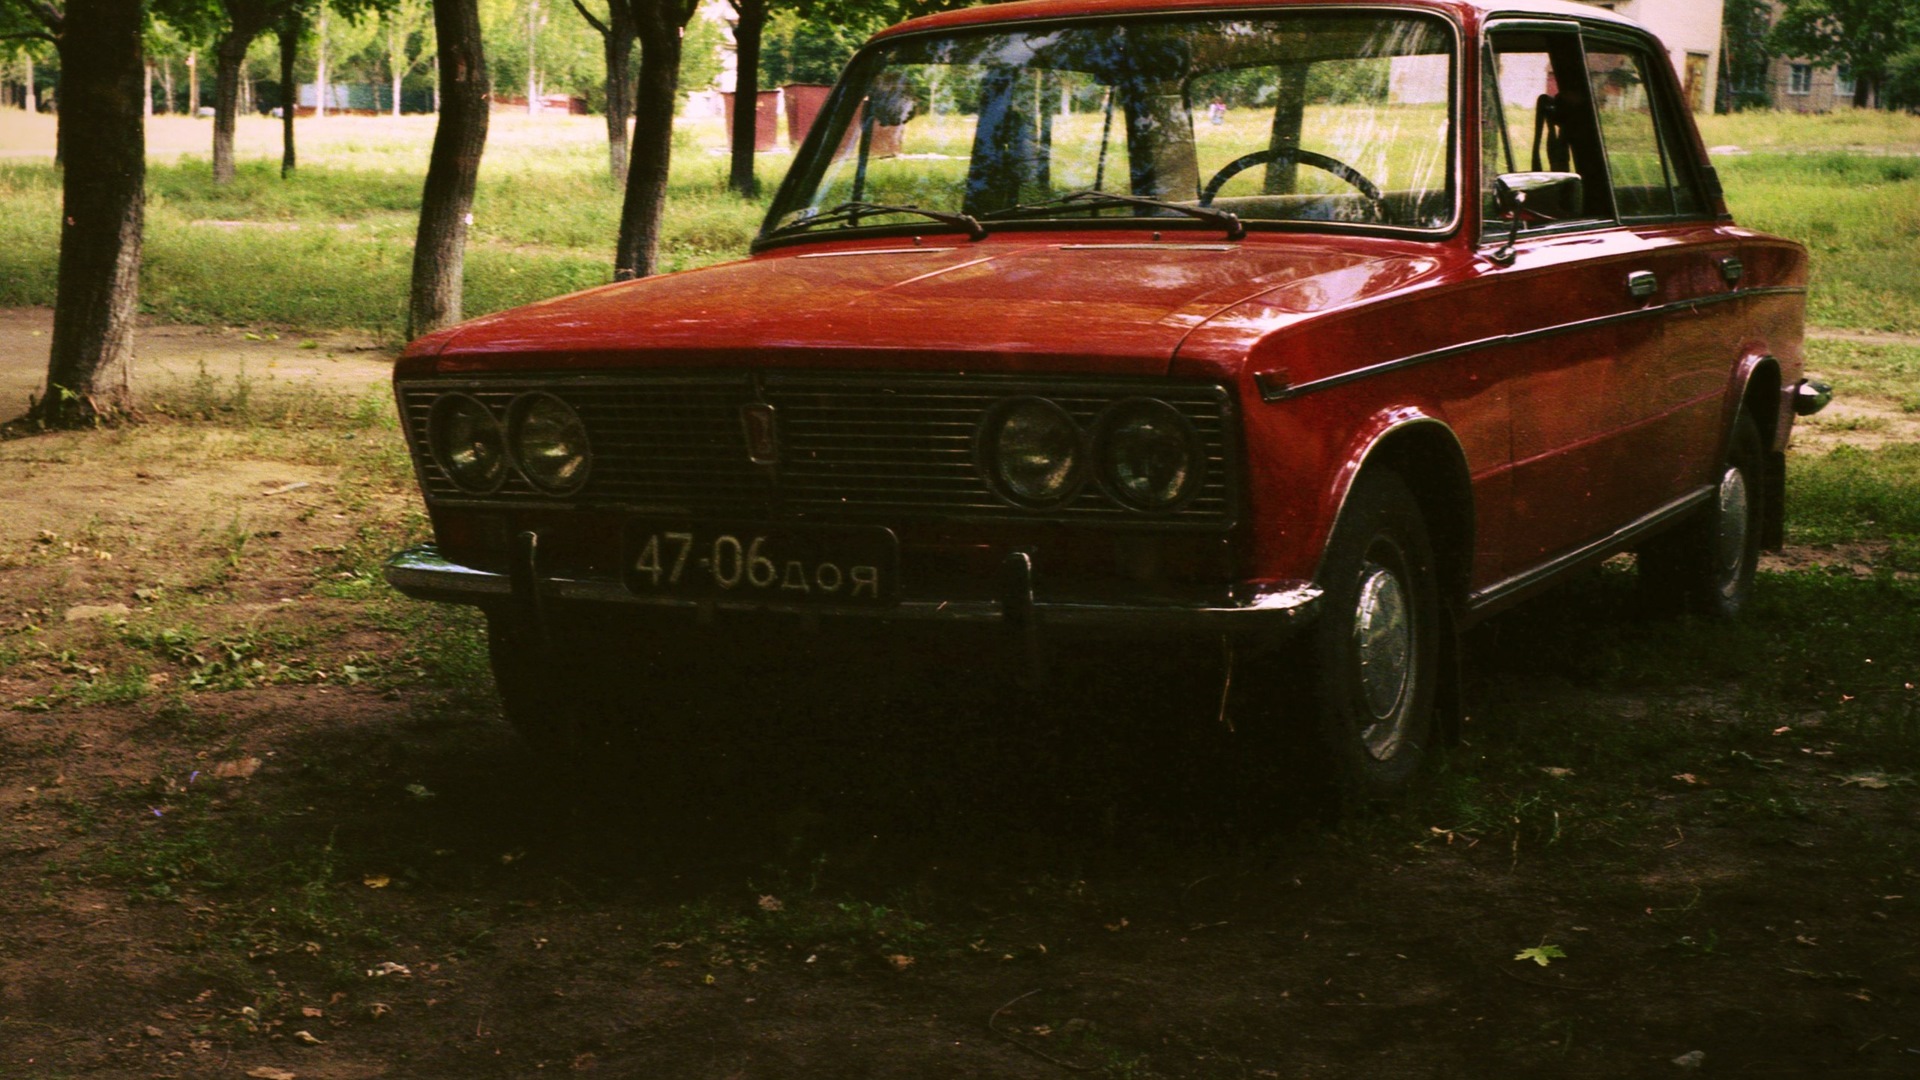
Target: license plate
{"points": [[766, 563]]}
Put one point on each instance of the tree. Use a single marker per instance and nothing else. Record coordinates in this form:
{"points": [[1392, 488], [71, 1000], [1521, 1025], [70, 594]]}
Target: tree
{"points": [[459, 137], [1744, 57], [659, 24], [618, 33], [243, 21], [748, 27], [1864, 35], [1903, 80], [103, 66], [292, 25], [409, 42]]}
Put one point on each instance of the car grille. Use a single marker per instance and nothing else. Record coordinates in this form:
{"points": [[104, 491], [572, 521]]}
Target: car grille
{"points": [[852, 447]]}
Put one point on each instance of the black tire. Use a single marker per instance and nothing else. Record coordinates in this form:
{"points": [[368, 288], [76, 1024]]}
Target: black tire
{"points": [[1706, 565], [1375, 647]]}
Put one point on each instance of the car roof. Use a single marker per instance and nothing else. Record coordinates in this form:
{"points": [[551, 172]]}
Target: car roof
{"points": [[1023, 10]]}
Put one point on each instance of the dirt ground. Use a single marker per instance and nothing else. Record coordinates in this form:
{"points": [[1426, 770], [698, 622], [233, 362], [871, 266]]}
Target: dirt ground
{"points": [[250, 826]]}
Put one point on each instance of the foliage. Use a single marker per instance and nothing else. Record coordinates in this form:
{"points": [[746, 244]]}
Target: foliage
{"points": [[1743, 62], [1903, 80], [700, 55], [795, 49], [1864, 35]]}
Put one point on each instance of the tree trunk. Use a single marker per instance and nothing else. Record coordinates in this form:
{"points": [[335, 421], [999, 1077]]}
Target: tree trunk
{"points": [[146, 105], [617, 48], [193, 84], [166, 82], [88, 370], [393, 66], [458, 139], [637, 252], [533, 37], [33, 100], [230, 55], [746, 94], [289, 92], [320, 66]]}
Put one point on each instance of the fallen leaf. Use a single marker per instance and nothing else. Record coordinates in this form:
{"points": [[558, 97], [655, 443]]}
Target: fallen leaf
{"points": [[284, 488], [376, 881], [900, 961], [379, 1010], [1556, 771], [154, 1032], [772, 903], [1870, 781], [237, 770], [1541, 954], [305, 1038], [312, 1012], [1691, 1059], [268, 1072], [419, 791], [388, 967], [1686, 778]]}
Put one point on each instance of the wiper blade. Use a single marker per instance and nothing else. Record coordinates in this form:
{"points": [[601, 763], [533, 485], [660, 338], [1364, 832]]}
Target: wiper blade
{"points": [[853, 211], [1094, 200]]}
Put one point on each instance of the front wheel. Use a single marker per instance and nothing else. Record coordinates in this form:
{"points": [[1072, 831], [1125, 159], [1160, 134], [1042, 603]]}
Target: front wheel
{"points": [[1707, 565], [1375, 648]]}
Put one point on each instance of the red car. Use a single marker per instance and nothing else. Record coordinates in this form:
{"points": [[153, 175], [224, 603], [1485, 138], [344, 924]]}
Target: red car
{"points": [[1319, 331]]}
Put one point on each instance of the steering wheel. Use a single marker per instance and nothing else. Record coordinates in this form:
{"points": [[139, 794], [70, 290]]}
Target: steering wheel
{"points": [[1299, 157]]}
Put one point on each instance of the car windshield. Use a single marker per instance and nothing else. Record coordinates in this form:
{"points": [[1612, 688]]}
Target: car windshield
{"points": [[1328, 120]]}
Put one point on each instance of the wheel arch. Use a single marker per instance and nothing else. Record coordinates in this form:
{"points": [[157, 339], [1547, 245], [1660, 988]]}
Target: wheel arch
{"points": [[1424, 451], [1761, 397]]}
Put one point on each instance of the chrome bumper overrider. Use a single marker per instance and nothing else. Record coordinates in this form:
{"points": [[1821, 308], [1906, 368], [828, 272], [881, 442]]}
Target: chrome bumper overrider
{"points": [[421, 572]]}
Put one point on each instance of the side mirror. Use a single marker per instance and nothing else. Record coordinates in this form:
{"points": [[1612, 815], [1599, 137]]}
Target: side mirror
{"points": [[1534, 196]]}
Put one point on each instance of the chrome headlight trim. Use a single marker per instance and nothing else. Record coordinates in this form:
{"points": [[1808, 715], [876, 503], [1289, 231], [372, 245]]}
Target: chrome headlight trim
{"points": [[1032, 452], [548, 442], [1150, 457], [467, 443]]}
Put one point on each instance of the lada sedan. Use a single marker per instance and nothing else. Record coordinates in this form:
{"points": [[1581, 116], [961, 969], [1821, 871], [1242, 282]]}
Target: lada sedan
{"points": [[1313, 331]]}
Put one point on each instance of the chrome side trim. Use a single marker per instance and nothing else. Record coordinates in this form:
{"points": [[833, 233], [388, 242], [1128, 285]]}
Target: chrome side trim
{"points": [[424, 574], [1285, 393], [1618, 540]]}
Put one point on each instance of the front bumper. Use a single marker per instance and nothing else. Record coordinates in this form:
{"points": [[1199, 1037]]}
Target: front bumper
{"points": [[423, 573]]}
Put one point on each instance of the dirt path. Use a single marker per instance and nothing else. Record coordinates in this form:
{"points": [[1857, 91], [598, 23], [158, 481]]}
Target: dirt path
{"points": [[166, 352]]}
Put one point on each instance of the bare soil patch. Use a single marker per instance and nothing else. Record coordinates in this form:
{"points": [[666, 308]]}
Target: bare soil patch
{"points": [[257, 814]]}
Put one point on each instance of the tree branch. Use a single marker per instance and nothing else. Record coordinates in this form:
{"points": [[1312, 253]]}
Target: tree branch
{"points": [[591, 21], [48, 13], [31, 35]]}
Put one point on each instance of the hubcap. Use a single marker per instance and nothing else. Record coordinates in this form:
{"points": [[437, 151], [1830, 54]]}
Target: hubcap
{"points": [[1730, 531], [1383, 647]]}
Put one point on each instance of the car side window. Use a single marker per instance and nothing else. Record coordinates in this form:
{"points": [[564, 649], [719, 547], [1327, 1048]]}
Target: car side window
{"points": [[1640, 150], [1538, 93]]}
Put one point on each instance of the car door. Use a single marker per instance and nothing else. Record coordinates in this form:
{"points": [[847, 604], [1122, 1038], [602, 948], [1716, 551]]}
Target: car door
{"points": [[1672, 379], [1566, 285]]}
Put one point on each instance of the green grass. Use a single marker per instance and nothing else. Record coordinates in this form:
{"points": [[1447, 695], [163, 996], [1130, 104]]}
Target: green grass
{"points": [[1860, 219], [1861, 370]]}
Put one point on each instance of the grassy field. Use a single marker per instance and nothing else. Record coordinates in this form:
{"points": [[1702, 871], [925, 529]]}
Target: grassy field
{"points": [[337, 238]]}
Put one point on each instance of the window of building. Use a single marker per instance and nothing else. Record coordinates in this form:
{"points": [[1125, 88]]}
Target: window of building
{"points": [[1843, 81], [1800, 79]]}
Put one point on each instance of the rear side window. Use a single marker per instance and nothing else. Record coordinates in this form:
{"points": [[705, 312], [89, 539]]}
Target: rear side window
{"points": [[1637, 127]]}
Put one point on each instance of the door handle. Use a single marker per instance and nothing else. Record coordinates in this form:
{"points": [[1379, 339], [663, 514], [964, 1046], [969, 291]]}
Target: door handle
{"points": [[1642, 284]]}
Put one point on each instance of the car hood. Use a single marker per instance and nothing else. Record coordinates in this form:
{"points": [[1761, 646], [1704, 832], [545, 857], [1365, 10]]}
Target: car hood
{"points": [[1087, 304]]}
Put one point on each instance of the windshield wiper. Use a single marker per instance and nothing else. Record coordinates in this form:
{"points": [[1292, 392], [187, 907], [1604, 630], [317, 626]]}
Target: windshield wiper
{"points": [[852, 212], [1095, 200]]}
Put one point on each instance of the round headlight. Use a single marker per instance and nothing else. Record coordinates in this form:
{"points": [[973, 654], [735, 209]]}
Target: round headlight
{"points": [[549, 443], [467, 443], [1150, 456], [1032, 451]]}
